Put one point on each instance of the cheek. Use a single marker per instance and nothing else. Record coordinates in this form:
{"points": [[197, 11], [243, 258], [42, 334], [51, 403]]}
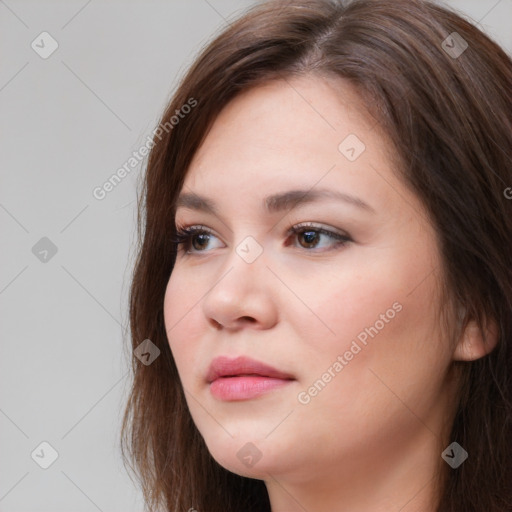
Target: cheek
{"points": [[380, 312], [182, 317], [388, 369], [345, 303]]}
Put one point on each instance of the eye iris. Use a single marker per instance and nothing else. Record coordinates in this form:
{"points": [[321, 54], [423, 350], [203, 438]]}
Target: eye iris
{"points": [[310, 237], [204, 240]]}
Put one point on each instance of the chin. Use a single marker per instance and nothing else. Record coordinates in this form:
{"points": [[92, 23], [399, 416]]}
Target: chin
{"points": [[249, 456], [260, 470]]}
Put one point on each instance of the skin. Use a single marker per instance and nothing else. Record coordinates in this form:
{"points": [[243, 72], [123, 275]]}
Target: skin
{"points": [[371, 439]]}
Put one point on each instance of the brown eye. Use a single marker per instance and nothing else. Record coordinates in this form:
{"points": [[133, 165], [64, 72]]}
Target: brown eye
{"points": [[196, 239], [192, 239], [201, 239], [310, 237]]}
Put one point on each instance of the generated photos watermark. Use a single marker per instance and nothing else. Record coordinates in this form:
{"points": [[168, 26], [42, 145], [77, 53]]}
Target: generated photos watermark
{"points": [[305, 397], [100, 192]]}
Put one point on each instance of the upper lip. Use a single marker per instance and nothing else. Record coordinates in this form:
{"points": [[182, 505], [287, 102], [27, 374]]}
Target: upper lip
{"points": [[229, 367]]}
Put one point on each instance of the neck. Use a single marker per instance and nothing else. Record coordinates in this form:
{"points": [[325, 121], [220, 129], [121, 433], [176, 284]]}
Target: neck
{"points": [[401, 478]]}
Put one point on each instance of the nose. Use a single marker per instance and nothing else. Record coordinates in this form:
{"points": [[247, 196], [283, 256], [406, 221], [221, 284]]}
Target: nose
{"points": [[242, 295]]}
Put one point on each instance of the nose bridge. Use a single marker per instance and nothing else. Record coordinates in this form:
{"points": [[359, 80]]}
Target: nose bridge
{"points": [[249, 250], [244, 268], [241, 289]]}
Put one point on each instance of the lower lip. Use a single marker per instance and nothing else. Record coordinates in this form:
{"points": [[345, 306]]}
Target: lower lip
{"points": [[244, 388]]}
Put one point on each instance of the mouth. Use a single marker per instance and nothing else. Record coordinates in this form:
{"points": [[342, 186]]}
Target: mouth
{"points": [[243, 378]]}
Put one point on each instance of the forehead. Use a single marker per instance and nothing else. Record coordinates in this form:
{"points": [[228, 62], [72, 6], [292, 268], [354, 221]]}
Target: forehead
{"points": [[292, 134], [304, 113]]}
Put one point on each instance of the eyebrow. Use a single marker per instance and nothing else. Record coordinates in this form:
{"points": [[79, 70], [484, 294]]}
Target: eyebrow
{"points": [[277, 202]]}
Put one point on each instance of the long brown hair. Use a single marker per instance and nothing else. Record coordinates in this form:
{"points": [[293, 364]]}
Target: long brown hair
{"points": [[444, 100]]}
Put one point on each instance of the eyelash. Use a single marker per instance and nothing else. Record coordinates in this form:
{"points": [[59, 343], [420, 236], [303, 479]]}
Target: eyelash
{"points": [[184, 235]]}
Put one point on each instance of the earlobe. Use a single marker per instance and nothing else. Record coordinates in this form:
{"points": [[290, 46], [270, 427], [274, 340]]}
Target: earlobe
{"points": [[473, 344]]}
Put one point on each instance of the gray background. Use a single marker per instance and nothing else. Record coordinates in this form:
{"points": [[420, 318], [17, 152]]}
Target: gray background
{"points": [[67, 124]]}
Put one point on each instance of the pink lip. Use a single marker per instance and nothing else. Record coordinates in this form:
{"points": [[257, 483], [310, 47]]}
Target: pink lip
{"points": [[243, 378]]}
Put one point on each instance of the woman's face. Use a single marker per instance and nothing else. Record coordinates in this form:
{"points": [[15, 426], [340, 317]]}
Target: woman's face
{"points": [[347, 318]]}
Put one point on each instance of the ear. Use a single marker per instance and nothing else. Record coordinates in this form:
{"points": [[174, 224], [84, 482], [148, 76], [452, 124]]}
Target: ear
{"points": [[473, 343]]}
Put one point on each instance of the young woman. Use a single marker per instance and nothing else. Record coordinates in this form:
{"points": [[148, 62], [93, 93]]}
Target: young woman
{"points": [[325, 269]]}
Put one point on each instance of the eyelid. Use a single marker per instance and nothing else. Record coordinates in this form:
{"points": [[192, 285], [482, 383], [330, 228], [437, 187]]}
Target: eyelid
{"points": [[317, 226]]}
